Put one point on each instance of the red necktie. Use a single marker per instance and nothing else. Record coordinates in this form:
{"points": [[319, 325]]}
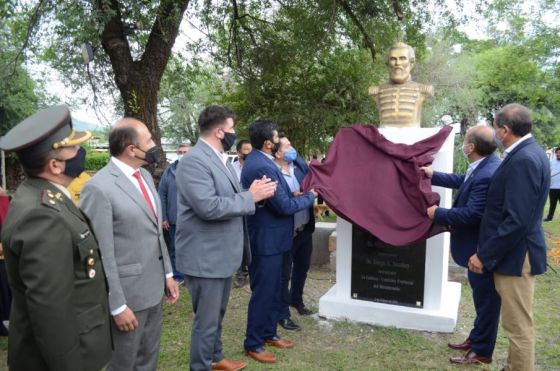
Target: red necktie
{"points": [[144, 191]]}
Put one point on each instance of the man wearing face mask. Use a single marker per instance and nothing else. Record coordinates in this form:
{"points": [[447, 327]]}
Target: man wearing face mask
{"points": [[298, 259], [271, 230], [60, 316], [125, 211], [511, 243], [212, 239], [464, 220], [168, 194]]}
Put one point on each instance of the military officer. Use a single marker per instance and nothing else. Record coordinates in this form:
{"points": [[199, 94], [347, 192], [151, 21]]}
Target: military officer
{"points": [[59, 318]]}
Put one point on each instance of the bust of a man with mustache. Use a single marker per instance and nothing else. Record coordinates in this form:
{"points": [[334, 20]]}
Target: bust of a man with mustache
{"points": [[400, 100]]}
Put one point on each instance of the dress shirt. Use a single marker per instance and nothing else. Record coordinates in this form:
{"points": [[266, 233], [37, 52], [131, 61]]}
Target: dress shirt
{"points": [[301, 217], [511, 148], [554, 174], [222, 156], [237, 167], [129, 171], [472, 166]]}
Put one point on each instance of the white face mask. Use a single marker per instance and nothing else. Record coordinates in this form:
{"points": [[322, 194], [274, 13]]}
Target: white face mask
{"points": [[180, 156], [463, 151]]}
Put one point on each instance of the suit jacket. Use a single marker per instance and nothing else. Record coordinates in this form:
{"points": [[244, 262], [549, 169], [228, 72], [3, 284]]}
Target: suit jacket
{"points": [[300, 170], [211, 236], [131, 239], [60, 317], [168, 194], [271, 229], [468, 207], [511, 225]]}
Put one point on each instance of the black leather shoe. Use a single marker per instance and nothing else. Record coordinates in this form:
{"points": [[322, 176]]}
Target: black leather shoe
{"points": [[547, 219], [302, 309], [288, 324]]}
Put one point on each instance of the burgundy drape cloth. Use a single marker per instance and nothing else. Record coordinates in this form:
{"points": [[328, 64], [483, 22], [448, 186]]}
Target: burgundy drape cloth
{"points": [[377, 185]]}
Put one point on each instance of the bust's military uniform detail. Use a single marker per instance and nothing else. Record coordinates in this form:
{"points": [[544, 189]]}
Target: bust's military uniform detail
{"points": [[400, 105]]}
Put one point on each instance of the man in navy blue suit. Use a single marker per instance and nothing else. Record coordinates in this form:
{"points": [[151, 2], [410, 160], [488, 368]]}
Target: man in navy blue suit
{"points": [[464, 220], [271, 230], [298, 259], [511, 241]]}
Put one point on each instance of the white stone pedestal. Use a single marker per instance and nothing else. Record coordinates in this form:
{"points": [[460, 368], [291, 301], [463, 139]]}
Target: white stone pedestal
{"points": [[441, 298]]}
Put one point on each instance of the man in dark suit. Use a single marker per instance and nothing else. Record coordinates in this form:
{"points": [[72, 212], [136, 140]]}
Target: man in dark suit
{"points": [[212, 234], [271, 231], [60, 315], [125, 212], [464, 220], [511, 242], [298, 259]]}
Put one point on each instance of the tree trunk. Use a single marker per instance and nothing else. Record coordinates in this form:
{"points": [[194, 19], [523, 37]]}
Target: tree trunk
{"points": [[139, 80]]}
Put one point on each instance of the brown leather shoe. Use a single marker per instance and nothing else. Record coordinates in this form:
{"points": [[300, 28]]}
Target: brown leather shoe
{"points": [[279, 343], [261, 355], [470, 358], [229, 365], [465, 345]]}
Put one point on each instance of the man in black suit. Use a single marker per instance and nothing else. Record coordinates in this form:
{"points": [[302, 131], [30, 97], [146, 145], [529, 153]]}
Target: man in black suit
{"points": [[511, 242]]}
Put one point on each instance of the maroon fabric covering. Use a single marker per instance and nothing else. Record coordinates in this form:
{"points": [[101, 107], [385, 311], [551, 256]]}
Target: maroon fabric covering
{"points": [[377, 184]]}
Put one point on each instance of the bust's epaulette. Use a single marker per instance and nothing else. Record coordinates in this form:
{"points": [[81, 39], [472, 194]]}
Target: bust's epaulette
{"points": [[50, 199], [373, 90], [427, 89]]}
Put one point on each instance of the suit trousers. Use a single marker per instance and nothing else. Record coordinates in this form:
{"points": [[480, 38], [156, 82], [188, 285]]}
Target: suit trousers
{"points": [[265, 275], [517, 295], [487, 306], [296, 264], [554, 197], [209, 297], [137, 350]]}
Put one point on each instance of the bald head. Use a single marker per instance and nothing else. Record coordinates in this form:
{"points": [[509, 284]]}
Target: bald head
{"points": [[482, 138], [125, 132]]}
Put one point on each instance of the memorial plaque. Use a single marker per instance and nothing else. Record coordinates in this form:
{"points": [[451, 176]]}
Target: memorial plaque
{"points": [[385, 273]]}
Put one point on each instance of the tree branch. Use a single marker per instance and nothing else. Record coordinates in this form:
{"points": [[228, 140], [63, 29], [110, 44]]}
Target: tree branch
{"points": [[162, 36], [33, 21], [398, 10], [367, 39], [114, 40]]}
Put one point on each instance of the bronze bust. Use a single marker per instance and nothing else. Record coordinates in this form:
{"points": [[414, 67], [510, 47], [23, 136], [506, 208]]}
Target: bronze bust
{"points": [[400, 100]]}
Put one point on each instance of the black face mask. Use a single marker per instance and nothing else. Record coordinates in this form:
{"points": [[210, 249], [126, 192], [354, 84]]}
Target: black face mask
{"points": [[152, 155], [242, 156], [76, 165], [228, 140]]}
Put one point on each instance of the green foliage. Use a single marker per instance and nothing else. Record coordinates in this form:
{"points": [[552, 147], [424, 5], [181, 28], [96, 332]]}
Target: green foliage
{"points": [[96, 160]]}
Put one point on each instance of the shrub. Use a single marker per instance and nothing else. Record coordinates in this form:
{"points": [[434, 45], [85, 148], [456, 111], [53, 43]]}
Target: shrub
{"points": [[96, 160]]}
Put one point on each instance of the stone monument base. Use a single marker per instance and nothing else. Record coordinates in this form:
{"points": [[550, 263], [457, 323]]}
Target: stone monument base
{"points": [[437, 309], [443, 319]]}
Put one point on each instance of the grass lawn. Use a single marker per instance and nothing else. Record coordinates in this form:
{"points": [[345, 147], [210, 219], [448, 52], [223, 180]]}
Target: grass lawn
{"points": [[330, 345]]}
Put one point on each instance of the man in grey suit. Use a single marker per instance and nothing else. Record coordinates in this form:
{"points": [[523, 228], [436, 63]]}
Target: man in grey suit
{"points": [[211, 237], [125, 211]]}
